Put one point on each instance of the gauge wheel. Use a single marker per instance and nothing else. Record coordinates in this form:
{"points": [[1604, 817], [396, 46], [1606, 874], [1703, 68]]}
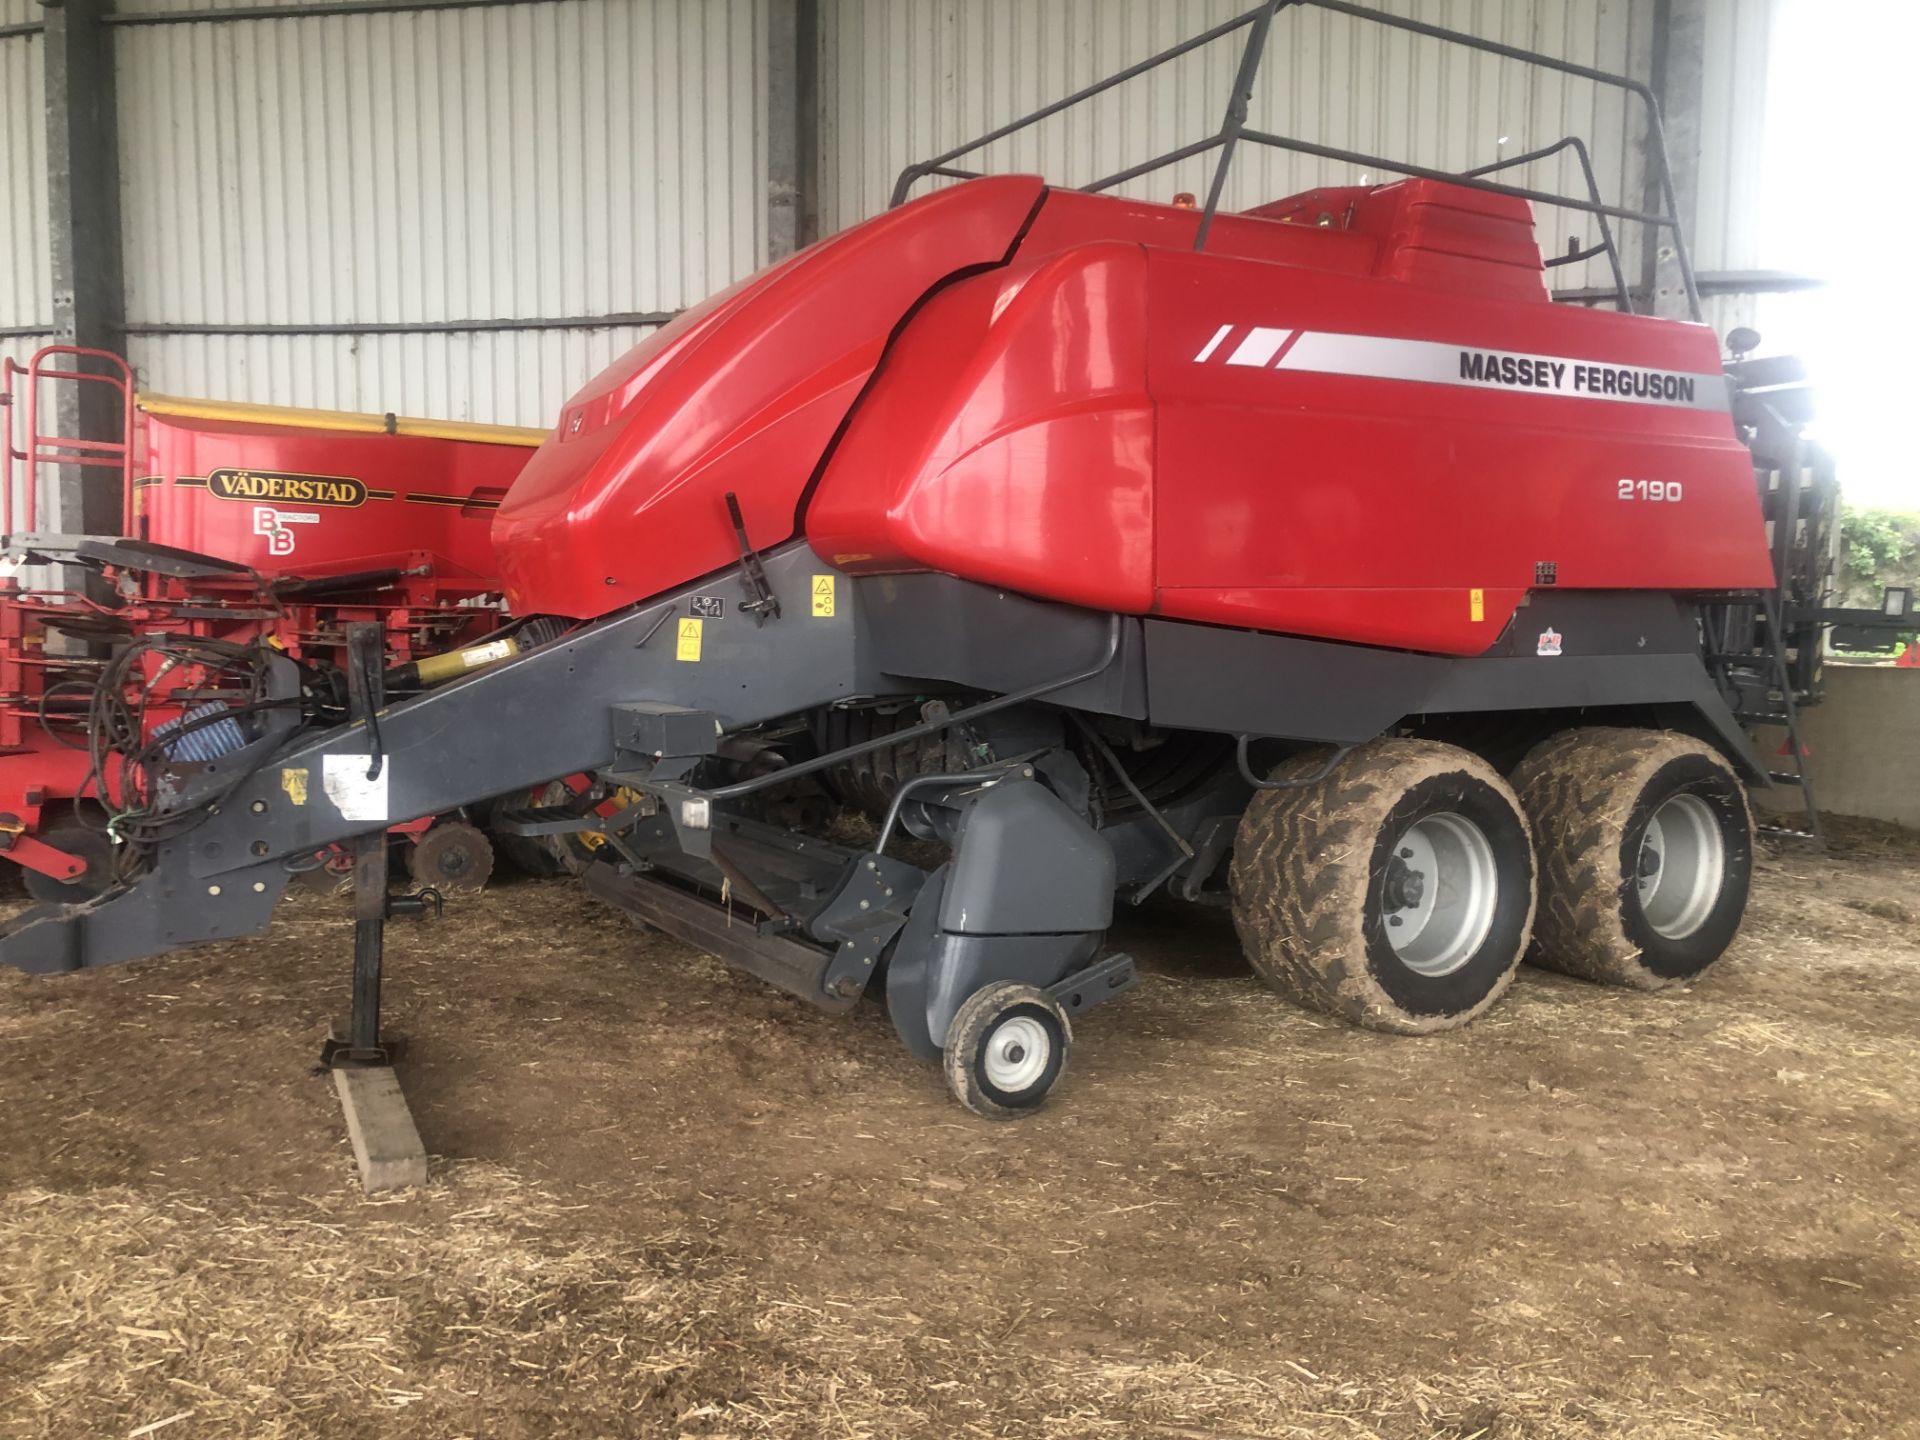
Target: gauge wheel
{"points": [[1006, 1050]]}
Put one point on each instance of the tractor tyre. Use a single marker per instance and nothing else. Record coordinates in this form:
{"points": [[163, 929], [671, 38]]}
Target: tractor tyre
{"points": [[1646, 854], [88, 844], [1396, 892]]}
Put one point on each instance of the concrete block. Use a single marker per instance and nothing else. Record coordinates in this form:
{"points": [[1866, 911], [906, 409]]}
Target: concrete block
{"points": [[1864, 744], [385, 1142]]}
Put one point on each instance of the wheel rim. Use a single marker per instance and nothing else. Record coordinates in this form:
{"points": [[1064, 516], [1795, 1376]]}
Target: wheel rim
{"points": [[1681, 868], [1016, 1054], [1440, 894]]}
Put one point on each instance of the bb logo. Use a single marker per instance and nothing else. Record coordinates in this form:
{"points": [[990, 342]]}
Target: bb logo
{"points": [[275, 525], [266, 521]]}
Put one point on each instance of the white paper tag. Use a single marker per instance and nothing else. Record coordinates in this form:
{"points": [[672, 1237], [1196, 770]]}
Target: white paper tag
{"points": [[344, 777], [486, 654]]}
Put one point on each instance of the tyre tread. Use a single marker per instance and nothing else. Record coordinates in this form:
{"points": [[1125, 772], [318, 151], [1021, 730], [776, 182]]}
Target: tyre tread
{"points": [[1580, 788], [1300, 876]]}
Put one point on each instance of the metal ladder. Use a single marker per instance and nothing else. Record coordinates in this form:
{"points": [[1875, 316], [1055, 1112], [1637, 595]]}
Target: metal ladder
{"points": [[1780, 708], [1747, 655]]}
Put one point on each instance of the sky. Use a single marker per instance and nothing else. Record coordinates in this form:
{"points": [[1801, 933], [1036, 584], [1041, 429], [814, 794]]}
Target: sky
{"points": [[1842, 202]]}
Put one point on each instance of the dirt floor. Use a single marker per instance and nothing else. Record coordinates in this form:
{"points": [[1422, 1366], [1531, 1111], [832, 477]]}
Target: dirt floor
{"points": [[667, 1201]]}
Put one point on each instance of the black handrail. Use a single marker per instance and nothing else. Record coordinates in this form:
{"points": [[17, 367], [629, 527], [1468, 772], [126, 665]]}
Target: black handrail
{"points": [[1606, 245], [1119, 77], [1234, 129]]}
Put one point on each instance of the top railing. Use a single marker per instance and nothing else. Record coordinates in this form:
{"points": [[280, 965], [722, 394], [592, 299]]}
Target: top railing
{"points": [[43, 449], [1258, 23]]}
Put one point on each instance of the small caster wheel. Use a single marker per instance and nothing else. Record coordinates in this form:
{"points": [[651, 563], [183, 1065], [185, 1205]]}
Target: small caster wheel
{"points": [[1006, 1050]]}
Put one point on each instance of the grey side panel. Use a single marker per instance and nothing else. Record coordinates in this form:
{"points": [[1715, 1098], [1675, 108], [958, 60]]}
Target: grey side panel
{"points": [[1601, 622], [1027, 896], [1625, 649], [1024, 864], [934, 627], [909, 971], [164, 910], [1200, 677], [562, 707], [548, 712]]}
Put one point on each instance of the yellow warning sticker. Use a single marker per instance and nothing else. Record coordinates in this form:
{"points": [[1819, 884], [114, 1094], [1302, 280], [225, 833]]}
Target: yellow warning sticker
{"points": [[688, 645], [823, 597], [294, 782], [1477, 604]]}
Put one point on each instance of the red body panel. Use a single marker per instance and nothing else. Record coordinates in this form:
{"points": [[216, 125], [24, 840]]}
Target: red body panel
{"points": [[409, 494], [741, 394], [1010, 438], [1364, 507], [1356, 415], [1370, 509]]}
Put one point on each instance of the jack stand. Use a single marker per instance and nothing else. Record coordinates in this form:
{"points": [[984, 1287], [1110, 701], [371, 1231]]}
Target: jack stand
{"points": [[386, 1144]]}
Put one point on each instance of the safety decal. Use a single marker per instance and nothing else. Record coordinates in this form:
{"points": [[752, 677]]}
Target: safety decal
{"points": [[687, 643], [1476, 605], [1437, 362], [710, 607], [1549, 642], [294, 781], [353, 793], [823, 597], [486, 654]]}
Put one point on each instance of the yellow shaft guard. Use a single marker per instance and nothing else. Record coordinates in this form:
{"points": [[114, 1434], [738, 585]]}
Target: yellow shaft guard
{"points": [[436, 668]]}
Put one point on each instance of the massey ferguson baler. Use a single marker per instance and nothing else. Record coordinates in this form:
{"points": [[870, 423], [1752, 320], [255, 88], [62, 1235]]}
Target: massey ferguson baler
{"points": [[1308, 561]]}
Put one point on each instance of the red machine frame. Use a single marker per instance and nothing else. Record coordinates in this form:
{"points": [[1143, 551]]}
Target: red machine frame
{"points": [[189, 473]]}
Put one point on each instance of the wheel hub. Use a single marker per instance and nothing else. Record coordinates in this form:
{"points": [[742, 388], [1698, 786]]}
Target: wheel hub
{"points": [[1439, 894], [1681, 867], [1016, 1054]]}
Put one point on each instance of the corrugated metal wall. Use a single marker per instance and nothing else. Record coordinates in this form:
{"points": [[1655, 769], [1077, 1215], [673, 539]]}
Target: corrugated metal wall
{"points": [[587, 157], [1728, 235], [547, 160], [903, 80], [26, 285], [1729, 232]]}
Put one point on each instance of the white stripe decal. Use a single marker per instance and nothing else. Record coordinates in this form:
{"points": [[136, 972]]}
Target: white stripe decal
{"points": [[1260, 346], [1213, 344], [1437, 363]]}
